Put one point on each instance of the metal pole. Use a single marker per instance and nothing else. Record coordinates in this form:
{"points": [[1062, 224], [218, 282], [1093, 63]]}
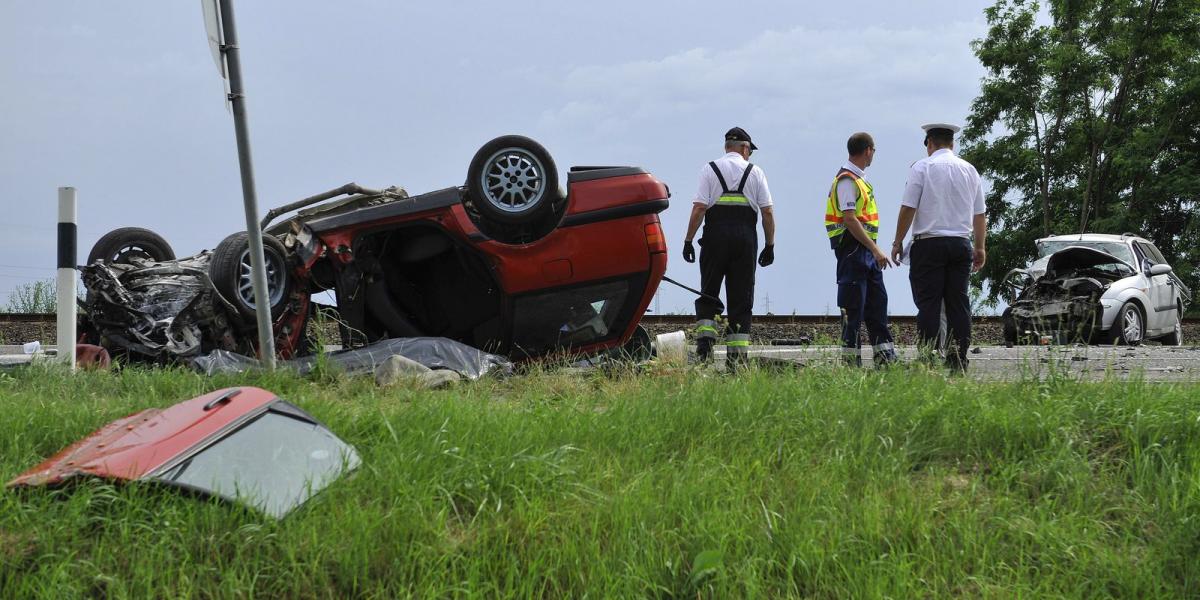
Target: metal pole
{"points": [[67, 277], [266, 339]]}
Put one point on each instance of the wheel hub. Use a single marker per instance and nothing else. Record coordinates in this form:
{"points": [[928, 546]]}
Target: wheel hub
{"points": [[513, 180], [245, 284]]}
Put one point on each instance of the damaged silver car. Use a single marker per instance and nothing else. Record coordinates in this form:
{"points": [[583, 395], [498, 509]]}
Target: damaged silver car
{"points": [[1095, 288]]}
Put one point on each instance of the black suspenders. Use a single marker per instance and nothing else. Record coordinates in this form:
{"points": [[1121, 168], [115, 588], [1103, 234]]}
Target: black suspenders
{"points": [[721, 178], [732, 213]]}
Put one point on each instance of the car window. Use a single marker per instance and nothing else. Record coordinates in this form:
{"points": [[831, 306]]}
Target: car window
{"points": [[1118, 249], [274, 463], [568, 318], [1153, 256]]}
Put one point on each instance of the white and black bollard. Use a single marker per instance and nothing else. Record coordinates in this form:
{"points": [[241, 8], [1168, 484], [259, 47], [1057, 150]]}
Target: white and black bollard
{"points": [[67, 276]]}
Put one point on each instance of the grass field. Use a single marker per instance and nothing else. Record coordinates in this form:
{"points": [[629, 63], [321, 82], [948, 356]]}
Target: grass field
{"points": [[822, 483]]}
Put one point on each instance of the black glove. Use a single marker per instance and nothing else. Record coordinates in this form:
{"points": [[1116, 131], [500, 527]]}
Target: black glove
{"points": [[689, 251], [767, 256]]}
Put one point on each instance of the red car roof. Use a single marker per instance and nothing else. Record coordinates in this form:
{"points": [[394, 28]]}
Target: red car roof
{"points": [[133, 446]]}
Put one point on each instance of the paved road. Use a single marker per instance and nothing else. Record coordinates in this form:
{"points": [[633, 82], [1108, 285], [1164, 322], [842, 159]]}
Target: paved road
{"points": [[1153, 363]]}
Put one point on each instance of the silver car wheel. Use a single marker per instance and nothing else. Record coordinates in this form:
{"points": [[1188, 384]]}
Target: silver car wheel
{"points": [[1131, 325], [513, 180], [245, 284]]}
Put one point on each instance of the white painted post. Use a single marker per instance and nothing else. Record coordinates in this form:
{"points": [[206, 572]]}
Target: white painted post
{"points": [[67, 276]]}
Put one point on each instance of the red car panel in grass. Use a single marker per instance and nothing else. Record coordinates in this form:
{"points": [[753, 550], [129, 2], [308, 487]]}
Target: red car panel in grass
{"points": [[510, 263], [242, 444]]}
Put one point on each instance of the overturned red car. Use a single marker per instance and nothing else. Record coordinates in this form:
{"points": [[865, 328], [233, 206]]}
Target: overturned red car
{"points": [[510, 262]]}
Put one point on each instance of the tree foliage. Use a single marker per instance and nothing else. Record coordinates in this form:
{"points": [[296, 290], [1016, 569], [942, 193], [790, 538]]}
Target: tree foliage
{"points": [[1089, 120], [35, 297]]}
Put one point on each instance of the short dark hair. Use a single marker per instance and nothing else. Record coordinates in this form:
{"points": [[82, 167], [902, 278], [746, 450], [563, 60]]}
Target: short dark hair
{"points": [[859, 142], [940, 137]]}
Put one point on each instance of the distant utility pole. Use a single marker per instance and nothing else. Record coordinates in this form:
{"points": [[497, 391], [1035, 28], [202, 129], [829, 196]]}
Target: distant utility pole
{"points": [[222, 33], [658, 301], [767, 301]]}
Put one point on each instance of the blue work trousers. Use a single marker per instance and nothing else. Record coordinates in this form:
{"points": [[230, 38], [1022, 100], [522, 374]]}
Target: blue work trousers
{"points": [[861, 296]]}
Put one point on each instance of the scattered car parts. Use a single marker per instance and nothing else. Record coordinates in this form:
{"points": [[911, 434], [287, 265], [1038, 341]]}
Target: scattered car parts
{"points": [[240, 444]]}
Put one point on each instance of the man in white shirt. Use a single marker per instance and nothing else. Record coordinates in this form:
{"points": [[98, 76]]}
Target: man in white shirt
{"points": [[943, 203], [731, 195]]}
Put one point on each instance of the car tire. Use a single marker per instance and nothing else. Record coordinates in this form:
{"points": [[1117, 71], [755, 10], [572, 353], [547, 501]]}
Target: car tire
{"points": [[1010, 328], [1129, 328], [120, 245], [512, 181], [1175, 338], [229, 269], [638, 348]]}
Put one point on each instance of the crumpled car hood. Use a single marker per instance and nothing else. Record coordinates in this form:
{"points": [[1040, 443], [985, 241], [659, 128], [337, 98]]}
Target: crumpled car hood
{"points": [[1078, 257], [130, 447], [242, 444]]}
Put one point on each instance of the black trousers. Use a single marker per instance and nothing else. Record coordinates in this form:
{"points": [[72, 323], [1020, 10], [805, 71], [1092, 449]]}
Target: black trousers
{"points": [[938, 271], [728, 252]]}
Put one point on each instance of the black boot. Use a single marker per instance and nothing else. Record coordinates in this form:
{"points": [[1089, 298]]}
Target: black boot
{"points": [[704, 348]]}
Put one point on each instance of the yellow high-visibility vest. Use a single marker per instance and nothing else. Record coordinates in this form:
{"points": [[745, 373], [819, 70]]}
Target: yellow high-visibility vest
{"points": [[864, 209]]}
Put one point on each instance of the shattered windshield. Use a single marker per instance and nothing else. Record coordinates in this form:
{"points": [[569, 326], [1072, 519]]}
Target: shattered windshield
{"points": [[1118, 249], [274, 463]]}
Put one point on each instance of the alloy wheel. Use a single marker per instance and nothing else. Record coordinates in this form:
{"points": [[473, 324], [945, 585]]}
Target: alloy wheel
{"points": [[513, 180], [1131, 325], [245, 285]]}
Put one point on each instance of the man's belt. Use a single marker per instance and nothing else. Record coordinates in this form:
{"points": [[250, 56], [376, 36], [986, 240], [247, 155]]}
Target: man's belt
{"points": [[930, 236]]}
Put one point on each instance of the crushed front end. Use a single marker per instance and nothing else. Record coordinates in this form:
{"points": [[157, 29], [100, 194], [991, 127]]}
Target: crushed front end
{"points": [[1063, 304]]}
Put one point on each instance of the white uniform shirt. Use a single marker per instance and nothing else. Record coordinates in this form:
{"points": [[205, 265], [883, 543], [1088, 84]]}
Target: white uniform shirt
{"points": [[947, 193], [847, 190], [732, 167]]}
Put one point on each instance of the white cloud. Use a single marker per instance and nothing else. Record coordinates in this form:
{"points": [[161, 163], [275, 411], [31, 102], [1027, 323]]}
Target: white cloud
{"points": [[800, 78]]}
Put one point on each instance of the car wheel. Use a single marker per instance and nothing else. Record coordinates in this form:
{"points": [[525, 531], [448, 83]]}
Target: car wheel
{"points": [[1010, 328], [1175, 338], [637, 349], [230, 271], [512, 180], [1129, 328], [120, 245]]}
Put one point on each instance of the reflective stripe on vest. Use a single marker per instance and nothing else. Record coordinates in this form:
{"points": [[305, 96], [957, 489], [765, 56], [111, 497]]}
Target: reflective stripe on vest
{"points": [[865, 210], [733, 197]]}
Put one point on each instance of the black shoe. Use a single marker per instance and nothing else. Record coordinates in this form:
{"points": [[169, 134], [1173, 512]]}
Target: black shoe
{"points": [[704, 348], [956, 364], [736, 362], [886, 360]]}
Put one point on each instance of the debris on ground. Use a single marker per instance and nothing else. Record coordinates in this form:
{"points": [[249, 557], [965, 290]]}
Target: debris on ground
{"points": [[91, 356], [432, 352], [241, 444], [398, 369]]}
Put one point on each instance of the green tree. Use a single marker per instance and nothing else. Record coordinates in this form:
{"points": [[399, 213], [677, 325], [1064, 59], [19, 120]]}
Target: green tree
{"points": [[35, 297], [1089, 120]]}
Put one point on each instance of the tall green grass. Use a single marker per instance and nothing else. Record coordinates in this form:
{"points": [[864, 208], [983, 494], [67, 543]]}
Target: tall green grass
{"points": [[826, 483]]}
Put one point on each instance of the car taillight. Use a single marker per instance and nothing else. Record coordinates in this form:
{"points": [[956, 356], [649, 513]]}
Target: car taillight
{"points": [[654, 238]]}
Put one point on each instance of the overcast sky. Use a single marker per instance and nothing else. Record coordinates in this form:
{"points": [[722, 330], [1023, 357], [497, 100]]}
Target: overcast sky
{"points": [[122, 100]]}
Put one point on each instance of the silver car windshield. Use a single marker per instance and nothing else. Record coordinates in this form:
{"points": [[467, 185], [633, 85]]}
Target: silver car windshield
{"points": [[1118, 249], [274, 463]]}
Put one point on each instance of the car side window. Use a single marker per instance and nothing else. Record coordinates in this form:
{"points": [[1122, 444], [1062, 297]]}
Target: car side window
{"points": [[1154, 254], [1149, 254]]}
